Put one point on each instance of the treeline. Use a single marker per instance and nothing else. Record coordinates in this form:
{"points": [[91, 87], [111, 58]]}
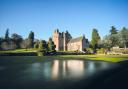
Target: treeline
{"points": [[17, 42], [115, 38]]}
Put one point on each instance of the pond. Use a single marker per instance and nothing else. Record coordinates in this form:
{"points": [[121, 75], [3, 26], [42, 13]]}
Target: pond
{"points": [[50, 74]]}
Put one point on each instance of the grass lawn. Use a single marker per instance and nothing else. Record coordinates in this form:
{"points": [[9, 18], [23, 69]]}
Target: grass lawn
{"points": [[31, 59], [111, 58], [19, 51]]}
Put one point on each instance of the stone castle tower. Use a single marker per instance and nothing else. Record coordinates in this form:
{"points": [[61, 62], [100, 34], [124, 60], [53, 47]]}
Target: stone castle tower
{"points": [[61, 40]]}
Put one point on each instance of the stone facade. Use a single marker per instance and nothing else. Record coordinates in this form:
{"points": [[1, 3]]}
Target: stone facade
{"points": [[64, 42], [79, 43]]}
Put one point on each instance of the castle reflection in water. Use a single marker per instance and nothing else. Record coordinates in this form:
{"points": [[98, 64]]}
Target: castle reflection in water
{"points": [[72, 68], [68, 69]]}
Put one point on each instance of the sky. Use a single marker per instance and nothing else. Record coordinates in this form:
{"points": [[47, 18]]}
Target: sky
{"points": [[77, 16]]}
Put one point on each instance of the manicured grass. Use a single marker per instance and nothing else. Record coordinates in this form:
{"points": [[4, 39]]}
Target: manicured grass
{"points": [[19, 51], [31, 59], [111, 58]]}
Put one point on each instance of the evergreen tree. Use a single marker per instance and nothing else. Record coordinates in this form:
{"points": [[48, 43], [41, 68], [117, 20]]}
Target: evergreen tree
{"points": [[95, 39], [40, 46], [114, 40], [124, 37], [51, 46], [31, 39], [113, 30], [113, 37], [7, 34], [43, 47], [0, 43], [36, 45], [106, 43], [68, 35]]}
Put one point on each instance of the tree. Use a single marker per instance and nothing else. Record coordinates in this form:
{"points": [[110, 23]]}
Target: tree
{"points": [[113, 30], [113, 37], [106, 42], [7, 34], [95, 39], [51, 45], [0, 43], [124, 37], [17, 39], [40, 46], [25, 44], [31, 39], [36, 44], [43, 47]]}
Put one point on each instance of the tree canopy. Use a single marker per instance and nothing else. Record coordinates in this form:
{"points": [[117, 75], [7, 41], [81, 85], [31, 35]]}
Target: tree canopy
{"points": [[51, 45], [95, 37], [124, 36], [7, 34], [31, 39], [113, 30]]}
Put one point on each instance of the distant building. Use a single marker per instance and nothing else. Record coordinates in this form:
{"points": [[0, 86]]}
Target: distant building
{"points": [[64, 42]]}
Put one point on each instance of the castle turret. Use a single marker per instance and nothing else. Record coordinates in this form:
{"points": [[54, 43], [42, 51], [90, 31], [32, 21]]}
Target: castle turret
{"points": [[61, 40], [55, 38]]}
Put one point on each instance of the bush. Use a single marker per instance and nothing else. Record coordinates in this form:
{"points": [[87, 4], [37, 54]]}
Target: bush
{"points": [[35, 46], [101, 51]]}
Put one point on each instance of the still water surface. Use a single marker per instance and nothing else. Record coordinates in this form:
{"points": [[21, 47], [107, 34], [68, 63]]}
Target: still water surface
{"points": [[51, 74]]}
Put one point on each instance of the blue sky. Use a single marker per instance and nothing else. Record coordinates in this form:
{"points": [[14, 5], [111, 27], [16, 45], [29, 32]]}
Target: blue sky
{"points": [[77, 16]]}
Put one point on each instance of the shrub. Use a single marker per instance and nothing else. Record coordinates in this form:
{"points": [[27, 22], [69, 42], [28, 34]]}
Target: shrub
{"points": [[101, 51]]}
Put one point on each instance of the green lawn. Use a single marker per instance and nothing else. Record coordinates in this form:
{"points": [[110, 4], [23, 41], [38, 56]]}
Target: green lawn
{"points": [[19, 51], [110, 58]]}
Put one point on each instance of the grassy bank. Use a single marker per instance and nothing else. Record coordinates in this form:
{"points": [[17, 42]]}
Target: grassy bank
{"points": [[19, 51], [110, 58]]}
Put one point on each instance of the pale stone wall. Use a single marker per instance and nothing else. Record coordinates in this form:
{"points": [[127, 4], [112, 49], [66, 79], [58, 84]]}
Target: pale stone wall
{"points": [[75, 46], [65, 42], [80, 45], [55, 39]]}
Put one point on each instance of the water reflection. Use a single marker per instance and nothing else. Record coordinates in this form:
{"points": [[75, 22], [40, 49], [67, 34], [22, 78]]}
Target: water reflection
{"points": [[49, 74], [55, 69], [2, 68], [72, 68], [65, 69]]}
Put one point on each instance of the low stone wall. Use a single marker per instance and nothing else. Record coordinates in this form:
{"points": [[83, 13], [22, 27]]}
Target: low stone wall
{"points": [[118, 51]]}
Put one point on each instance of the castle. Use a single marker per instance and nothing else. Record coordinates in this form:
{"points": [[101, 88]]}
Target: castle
{"points": [[65, 42]]}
